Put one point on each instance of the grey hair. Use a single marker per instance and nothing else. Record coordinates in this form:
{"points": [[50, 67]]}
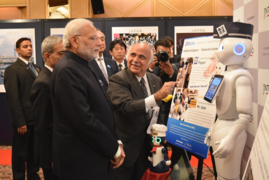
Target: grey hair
{"points": [[146, 43], [101, 32], [48, 43], [72, 28]]}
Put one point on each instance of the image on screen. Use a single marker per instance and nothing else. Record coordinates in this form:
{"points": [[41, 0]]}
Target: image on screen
{"points": [[213, 88]]}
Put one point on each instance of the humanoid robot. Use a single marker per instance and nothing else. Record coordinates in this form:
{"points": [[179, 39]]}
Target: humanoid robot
{"points": [[234, 99]]}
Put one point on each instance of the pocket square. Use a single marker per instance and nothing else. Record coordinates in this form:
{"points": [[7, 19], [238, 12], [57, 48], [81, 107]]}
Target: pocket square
{"points": [[108, 66]]}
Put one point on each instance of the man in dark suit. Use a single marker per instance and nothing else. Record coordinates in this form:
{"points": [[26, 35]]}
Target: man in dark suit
{"points": [[133, 94], [84, 139], [104, 67], [117, 49], [165, 70], [18, 80], [52, 51]]}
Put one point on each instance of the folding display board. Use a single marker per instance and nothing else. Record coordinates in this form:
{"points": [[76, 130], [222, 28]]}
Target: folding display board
{"points": [[132, 27], [50, 24]]}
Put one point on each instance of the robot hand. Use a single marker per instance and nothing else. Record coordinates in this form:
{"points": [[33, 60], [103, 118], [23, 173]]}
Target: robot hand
{"points": [[225, 147], [168, 163], [208, 137]]}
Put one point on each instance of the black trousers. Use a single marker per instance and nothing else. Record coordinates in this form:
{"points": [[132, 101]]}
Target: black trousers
{"points": [[48, 175], [136, 171], [23, 152]]}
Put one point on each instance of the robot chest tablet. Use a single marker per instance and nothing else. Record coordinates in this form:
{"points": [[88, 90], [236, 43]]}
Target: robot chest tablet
{"points": [[226, 93]]}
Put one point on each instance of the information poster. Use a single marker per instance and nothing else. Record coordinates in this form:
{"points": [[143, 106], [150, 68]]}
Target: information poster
{"points": [[57, 32], [258, 162], [132, 35], [8, 54], [183, 32], [190, 115]]}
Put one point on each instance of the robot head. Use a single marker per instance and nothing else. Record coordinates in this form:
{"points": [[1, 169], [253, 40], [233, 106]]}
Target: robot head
{"points": [[235, 45], [234, 50]]}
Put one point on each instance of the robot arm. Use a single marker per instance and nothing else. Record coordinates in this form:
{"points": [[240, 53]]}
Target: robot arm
{"points": [[243, 87], [150, 156], [208, 137]]}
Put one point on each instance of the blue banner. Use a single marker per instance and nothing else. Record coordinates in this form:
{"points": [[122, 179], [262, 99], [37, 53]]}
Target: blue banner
{"points": [[187, 136]]}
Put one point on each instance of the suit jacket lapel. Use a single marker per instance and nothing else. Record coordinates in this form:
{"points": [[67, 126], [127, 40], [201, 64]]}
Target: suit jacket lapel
{"points": [[98, 71], [125, 63], [47, 71], [26, 67], [100, 82], [108, 68], [152, 84], [135, 84]]}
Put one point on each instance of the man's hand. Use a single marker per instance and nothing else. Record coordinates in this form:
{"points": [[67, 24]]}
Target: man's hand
{"points": [[22, 130], [119, 160], [167, 68], [153, 63], [167, 89]]}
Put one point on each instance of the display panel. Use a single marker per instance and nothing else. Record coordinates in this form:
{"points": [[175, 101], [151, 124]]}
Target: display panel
{"points": [[158, 24]]}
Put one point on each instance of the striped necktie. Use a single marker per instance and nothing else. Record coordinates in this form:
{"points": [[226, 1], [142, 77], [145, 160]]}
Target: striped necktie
{"points": [[102, 68], [120, 67], [32, 68]]}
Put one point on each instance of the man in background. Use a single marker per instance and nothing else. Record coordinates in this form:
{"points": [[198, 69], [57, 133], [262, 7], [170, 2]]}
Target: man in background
{"points": [[52, 50], [133, 93], [18, 80], [117, 49], [173, 58], [165, 70], [105, 67], [84, 139]]}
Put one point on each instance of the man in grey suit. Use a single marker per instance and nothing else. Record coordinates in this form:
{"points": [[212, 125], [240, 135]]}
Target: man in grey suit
{"points": [[104, 67], [133, 93]]}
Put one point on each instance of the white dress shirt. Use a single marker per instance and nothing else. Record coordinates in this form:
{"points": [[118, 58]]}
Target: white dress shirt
{"points": [[49, 67], [122, 65]]}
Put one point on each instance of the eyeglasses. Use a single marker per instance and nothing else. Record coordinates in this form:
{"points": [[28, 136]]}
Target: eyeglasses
{"points": [[92, 38]]}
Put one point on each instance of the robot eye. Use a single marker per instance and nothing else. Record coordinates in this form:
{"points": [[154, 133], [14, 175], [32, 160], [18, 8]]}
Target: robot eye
{"points": [[158, 140], [221, 47], [239, 49]]}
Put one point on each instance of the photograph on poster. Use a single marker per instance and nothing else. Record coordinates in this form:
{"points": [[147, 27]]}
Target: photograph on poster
{"points": [[8, 54], [57, 31], [132, 35], [183, 100], [183, 32]]}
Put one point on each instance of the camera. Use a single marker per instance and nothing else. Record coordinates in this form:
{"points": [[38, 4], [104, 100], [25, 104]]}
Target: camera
{"points": [[161, 56]]}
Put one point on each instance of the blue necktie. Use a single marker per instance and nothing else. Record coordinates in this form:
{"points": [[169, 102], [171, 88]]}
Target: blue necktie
{"points": [[32, 68]]}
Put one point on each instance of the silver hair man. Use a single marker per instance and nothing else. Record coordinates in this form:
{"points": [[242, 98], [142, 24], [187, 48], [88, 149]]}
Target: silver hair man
{"points": [[48, 43], [146, 43]]}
